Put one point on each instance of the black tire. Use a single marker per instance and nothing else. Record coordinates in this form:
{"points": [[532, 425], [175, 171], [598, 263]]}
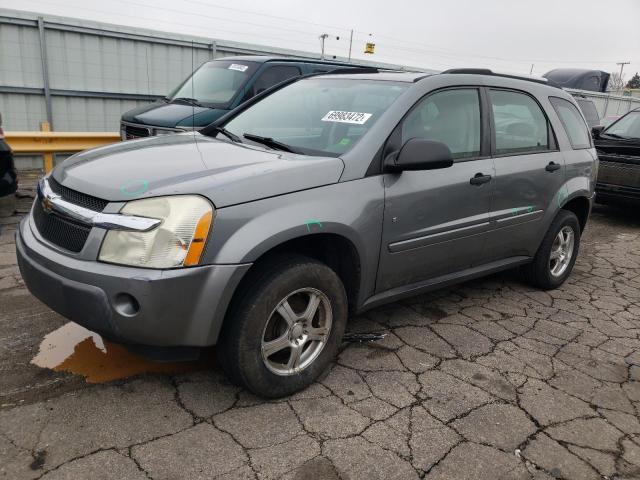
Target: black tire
{"points": [[240, 344], [538, 272]]}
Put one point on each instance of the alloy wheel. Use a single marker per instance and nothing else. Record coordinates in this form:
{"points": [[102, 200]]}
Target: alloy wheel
{"points": [[561, 251], [296, 332]]}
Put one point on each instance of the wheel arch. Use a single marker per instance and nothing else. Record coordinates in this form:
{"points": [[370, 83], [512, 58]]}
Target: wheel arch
{"points": [[336, 251]]}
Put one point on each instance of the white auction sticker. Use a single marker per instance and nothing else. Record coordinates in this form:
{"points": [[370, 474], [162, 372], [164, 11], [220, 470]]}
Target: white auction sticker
{"points": [[346, 117], [238, 67]]}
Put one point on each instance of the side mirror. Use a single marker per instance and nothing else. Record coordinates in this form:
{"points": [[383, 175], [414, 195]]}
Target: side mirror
{"points": [[421, 154], [596, 131]]}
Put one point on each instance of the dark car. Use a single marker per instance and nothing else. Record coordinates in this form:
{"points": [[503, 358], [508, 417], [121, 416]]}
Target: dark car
{"points": [[8, 175], [579, 78], [618, 147], [214, 89]]}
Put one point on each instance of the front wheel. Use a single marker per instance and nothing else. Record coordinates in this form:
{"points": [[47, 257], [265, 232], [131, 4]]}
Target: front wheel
{"points": [[285, 328], [557, 253]]}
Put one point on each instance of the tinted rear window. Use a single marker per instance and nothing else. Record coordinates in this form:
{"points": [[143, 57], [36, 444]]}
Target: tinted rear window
{"points": [[589, 111], [572, 122]]}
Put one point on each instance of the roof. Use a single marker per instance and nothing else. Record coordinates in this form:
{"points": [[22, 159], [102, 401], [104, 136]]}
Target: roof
{"points": [[389, 76], [412, 77], [274, 58]]}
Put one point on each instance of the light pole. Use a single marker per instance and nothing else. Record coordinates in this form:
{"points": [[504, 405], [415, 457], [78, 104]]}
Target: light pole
{"points": [[322, 38], [622, 64]]}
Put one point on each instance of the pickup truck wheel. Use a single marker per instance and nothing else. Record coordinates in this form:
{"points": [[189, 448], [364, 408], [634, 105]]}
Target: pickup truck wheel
{"points": [[557, 253], [285, 328]]}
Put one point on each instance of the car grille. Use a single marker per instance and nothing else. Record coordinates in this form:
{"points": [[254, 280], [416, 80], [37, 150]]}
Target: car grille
{"points": [[59, 231], [614, 173], [131, 131], [77, 198], [64, 232]]}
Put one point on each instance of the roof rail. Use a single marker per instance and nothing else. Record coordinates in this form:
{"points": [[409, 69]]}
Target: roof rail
{"points": [[486, 71], [342, 70]]}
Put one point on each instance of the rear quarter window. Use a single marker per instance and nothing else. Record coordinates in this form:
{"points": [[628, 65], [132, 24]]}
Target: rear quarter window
{"points": [[573, 122]]}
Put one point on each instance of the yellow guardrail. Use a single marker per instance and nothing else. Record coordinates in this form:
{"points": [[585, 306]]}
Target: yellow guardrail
{"points": [[47, 143]]}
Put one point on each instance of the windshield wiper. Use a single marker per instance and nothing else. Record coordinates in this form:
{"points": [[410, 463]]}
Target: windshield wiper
{"points": [[269, 142], [190, 101], [232, 136]]}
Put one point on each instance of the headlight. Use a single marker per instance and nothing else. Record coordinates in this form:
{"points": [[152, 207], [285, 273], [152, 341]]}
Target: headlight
{"points": [[178, 241]]}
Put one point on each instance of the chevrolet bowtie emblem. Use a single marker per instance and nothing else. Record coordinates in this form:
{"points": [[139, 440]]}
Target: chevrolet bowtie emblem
{"points": [[47, 199], [47, 206]]}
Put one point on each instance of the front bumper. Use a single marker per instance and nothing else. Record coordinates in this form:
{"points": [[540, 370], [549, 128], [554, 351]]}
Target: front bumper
{"points": [[179, 307], [617, 193]]}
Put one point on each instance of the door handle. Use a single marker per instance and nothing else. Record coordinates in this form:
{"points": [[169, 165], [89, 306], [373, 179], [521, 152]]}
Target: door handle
{"points": [[479, 179], [552, 167]]}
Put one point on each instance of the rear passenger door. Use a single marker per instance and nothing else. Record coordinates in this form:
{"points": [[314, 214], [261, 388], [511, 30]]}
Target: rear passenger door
{"points": [[435, 221], [529, 172]]}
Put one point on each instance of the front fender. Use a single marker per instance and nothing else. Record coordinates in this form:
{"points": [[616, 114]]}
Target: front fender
{"points": [[353, 210]]}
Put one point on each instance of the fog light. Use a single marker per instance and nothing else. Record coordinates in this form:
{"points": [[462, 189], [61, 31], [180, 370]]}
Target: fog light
{"points": [[126, 305]]}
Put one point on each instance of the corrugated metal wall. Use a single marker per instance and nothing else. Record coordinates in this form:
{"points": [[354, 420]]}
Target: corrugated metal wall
{"points": [[96, 71], [610, 105]]}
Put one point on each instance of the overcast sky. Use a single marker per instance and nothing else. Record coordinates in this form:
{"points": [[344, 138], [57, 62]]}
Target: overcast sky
{"points": [[507, 35]]}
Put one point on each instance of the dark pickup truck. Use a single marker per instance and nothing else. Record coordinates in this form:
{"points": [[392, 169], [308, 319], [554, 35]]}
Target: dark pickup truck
{"points": [[618, 147], [8, 176]]}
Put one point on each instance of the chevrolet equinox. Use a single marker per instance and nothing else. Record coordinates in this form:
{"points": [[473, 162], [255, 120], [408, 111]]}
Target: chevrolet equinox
{"points": [[320, 198]]}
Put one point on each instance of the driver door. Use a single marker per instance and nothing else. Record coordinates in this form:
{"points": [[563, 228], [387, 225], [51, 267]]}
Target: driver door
{"points": [[436, 221]]}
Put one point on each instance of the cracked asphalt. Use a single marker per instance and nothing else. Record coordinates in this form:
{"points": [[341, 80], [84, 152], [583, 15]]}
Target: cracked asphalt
{"points": [[487, 380]]}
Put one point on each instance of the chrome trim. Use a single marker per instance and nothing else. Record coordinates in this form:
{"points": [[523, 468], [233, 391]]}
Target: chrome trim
{"points": [[54, 203]]}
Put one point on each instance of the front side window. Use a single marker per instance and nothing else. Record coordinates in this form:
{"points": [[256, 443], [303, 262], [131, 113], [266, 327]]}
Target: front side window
{"points": [[627, 127], [274, 75], [572, 122], [215, 83], [451, 117], [318, 116], [520, 125]]}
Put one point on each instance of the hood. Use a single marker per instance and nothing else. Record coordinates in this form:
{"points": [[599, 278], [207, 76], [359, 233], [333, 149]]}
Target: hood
{"points": [[191, 163], [170, 115], [616, 147]]}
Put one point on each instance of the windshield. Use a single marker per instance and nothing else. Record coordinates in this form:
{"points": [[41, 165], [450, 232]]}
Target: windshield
{"points": [[215, 83], [627, 127], [318, 116]]}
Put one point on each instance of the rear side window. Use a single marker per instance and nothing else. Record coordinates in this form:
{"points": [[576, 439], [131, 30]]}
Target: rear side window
{"points": [[520, 124], [572, 122], [589, 111], [274, 75], [451, 117]]}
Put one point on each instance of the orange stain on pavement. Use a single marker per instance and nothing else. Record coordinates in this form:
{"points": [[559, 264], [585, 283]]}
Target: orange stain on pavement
{"points": [[74, 349]]}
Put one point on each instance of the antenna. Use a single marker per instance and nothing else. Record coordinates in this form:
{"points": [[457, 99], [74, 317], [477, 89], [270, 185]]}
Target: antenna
{"points": [[193, 95]]}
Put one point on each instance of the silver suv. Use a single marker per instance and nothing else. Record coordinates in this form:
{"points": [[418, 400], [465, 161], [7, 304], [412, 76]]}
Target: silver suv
{"points": [[318, 199]]}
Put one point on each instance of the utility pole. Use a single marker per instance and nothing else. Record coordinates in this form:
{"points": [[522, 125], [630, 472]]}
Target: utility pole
{"points": [[531, 71], [350, 44], [322, 38], [622, 64]]}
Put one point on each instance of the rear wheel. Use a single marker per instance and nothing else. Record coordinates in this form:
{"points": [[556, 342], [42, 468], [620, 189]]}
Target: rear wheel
{"points": [[285, 328], [557, 253]]}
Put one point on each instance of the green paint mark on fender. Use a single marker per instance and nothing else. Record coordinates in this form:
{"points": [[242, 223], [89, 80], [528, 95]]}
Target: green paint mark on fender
{"points": [[562, 195], [310, 223], [134, 187]]}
